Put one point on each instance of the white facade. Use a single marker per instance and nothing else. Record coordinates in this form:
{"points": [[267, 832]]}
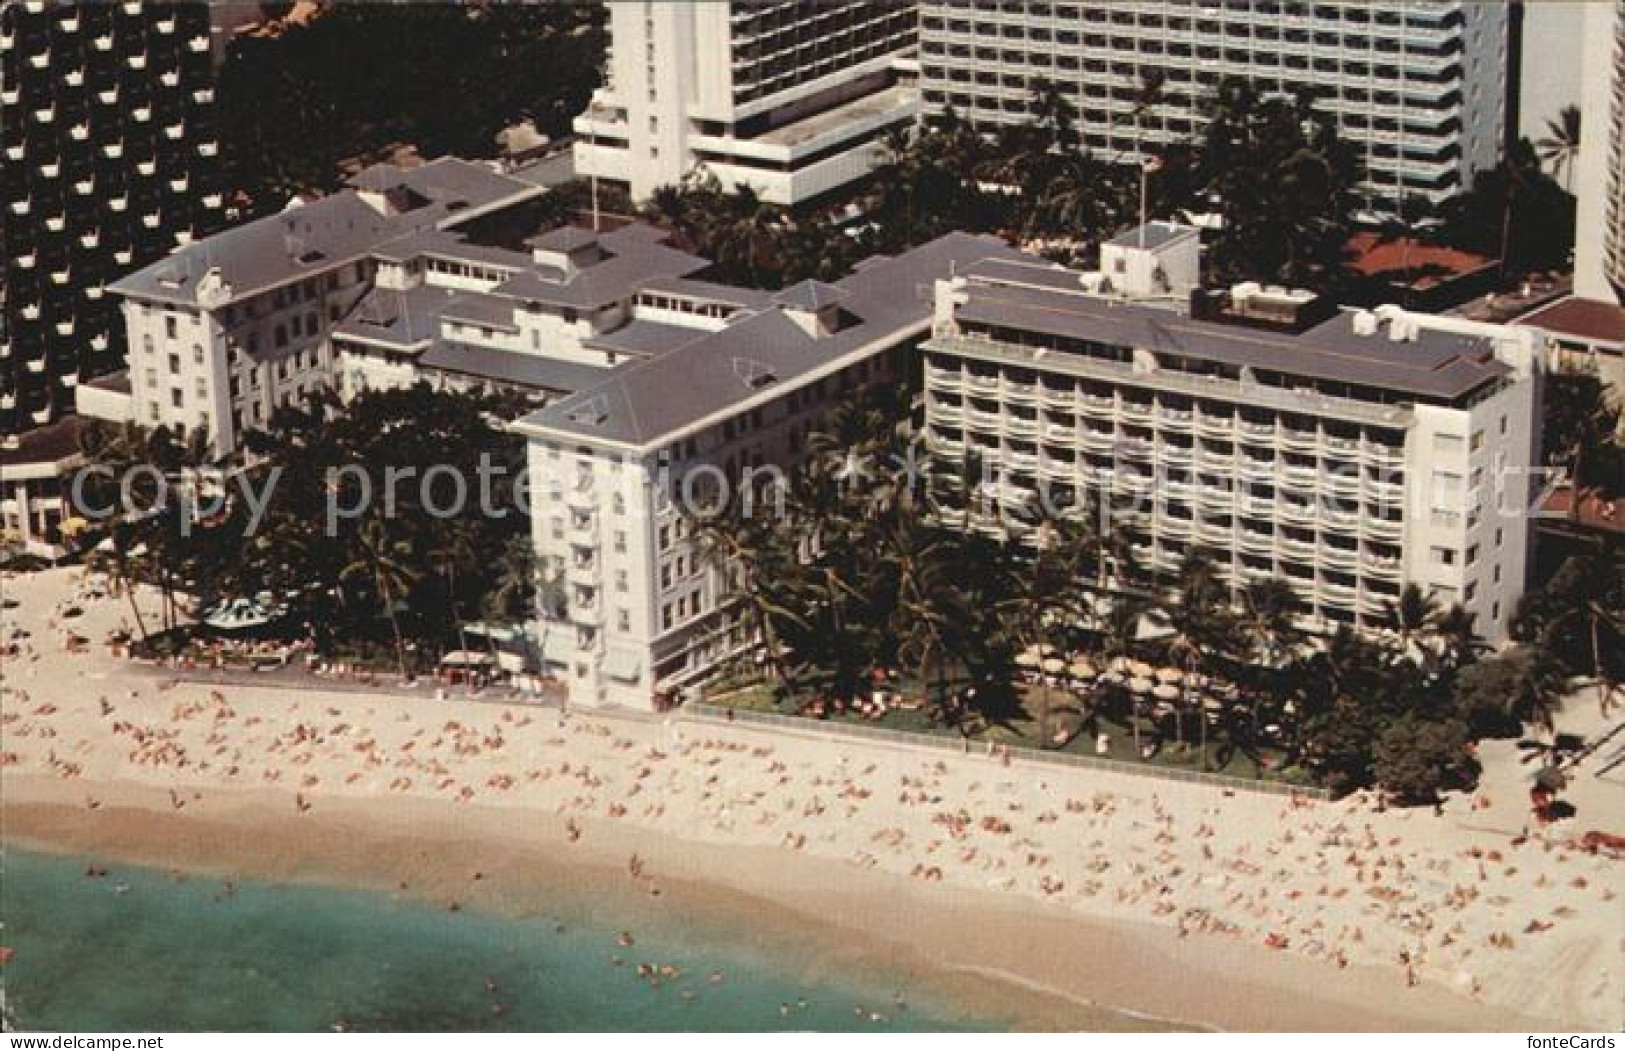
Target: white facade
{"points": [[1251, 445], [645, 612], [1599, 254], [224, 368], [1419, 85], [789, 98]]}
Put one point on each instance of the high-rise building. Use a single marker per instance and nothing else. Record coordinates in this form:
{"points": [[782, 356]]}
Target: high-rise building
{"points": [[110, 160], [1419, 85], [791, 98], [1599, 255], [1347, 452]]}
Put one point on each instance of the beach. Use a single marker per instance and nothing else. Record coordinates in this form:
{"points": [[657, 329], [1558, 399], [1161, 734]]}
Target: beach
{"points": [[1049, 893]]}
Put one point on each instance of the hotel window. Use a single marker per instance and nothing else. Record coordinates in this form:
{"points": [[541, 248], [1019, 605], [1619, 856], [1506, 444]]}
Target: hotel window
{"points": [[175, 397], [621, 583], [202, 389], [174, 364], [623, 620], [1472, 554], [1448, 443], [620, 542], [1442, 556], [1478, 441], [171, 328], [197, 354]]}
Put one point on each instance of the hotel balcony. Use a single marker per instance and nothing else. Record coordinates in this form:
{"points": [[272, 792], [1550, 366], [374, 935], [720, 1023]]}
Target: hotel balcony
{"points": [[1337, 594], [1381, 566], [1024, 463], [982, 420], [1175, 454], [583, 572], [1054, 432], [1342, 557], [982, 384], [1178, 420], [1302, 441], [1138, 411], [1302, 550], [1021, 426], [1020, 393], [1256, 542], [1301, 478], [1098, 440], [1215, 533], [1177, 528], [1253, 429], [1052, 467], [1064, 398], [944, 379], [1384, 457], [945, 411], [1386, 529], [1214, 426]]}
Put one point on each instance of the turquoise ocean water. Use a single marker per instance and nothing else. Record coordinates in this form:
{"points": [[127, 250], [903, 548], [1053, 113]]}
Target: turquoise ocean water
{"points": [[176, 954]]}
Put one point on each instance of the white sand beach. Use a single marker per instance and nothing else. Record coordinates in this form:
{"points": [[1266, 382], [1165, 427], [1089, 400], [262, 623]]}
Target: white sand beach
{"points": [[1056, 884]]}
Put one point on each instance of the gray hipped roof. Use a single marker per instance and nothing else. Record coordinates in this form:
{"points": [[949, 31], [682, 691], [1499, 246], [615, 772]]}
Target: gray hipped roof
{"points": [[644, 403]]}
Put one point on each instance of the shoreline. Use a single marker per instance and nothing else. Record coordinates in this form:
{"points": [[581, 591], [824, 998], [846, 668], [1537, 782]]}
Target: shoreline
{"points": [[1036, 967]]}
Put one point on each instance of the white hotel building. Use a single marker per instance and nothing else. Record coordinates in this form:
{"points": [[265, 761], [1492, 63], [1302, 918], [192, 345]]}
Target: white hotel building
{"points": [[645, 615], [1419, 85], [1349, 454], [790, 98]]}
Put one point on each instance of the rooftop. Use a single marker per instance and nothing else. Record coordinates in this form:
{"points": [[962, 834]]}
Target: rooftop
{"points": [[510, 367], [1410, 261], [648, 402], [52, 444], [314, 237], [1589, 319], [1155, 234], [1049, 300]]}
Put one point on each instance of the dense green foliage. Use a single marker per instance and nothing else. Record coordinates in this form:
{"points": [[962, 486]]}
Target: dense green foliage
{"points": [[363, 77], [870, 565], [358, 535]]}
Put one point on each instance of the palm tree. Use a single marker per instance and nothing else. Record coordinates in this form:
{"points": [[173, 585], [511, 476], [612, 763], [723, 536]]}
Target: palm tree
{"points": [[1045, 592], [927, 603], [1412, 617], [384, 562], [751, 560], [1560, 147], [1198, 612]]}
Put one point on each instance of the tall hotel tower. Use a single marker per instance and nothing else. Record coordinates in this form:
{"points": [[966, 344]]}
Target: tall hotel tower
{"points": [[109, 158], [1419, 85], [791, 99], [1599, 255]]}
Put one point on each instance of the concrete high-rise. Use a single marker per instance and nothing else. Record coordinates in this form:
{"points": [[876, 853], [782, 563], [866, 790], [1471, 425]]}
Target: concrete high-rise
{"points": [[791, 98], [1419, 85], [1599, 253], [109, 160]]}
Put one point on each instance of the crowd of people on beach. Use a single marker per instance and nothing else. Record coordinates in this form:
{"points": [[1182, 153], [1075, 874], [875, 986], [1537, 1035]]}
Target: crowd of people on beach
{"points": [[1484, 913]]}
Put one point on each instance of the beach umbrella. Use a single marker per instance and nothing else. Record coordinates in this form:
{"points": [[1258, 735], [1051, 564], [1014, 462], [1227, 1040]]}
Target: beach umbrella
{"points": [[1027, 658], [1551, 778], [1140, 684], [1054, 665], [1120, 664], [1141, 670], [1166, 691], [1213, 704], [1170, 675]]}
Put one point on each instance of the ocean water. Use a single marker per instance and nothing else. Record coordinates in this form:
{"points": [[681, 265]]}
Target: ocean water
{"points": [[178, 954]]}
